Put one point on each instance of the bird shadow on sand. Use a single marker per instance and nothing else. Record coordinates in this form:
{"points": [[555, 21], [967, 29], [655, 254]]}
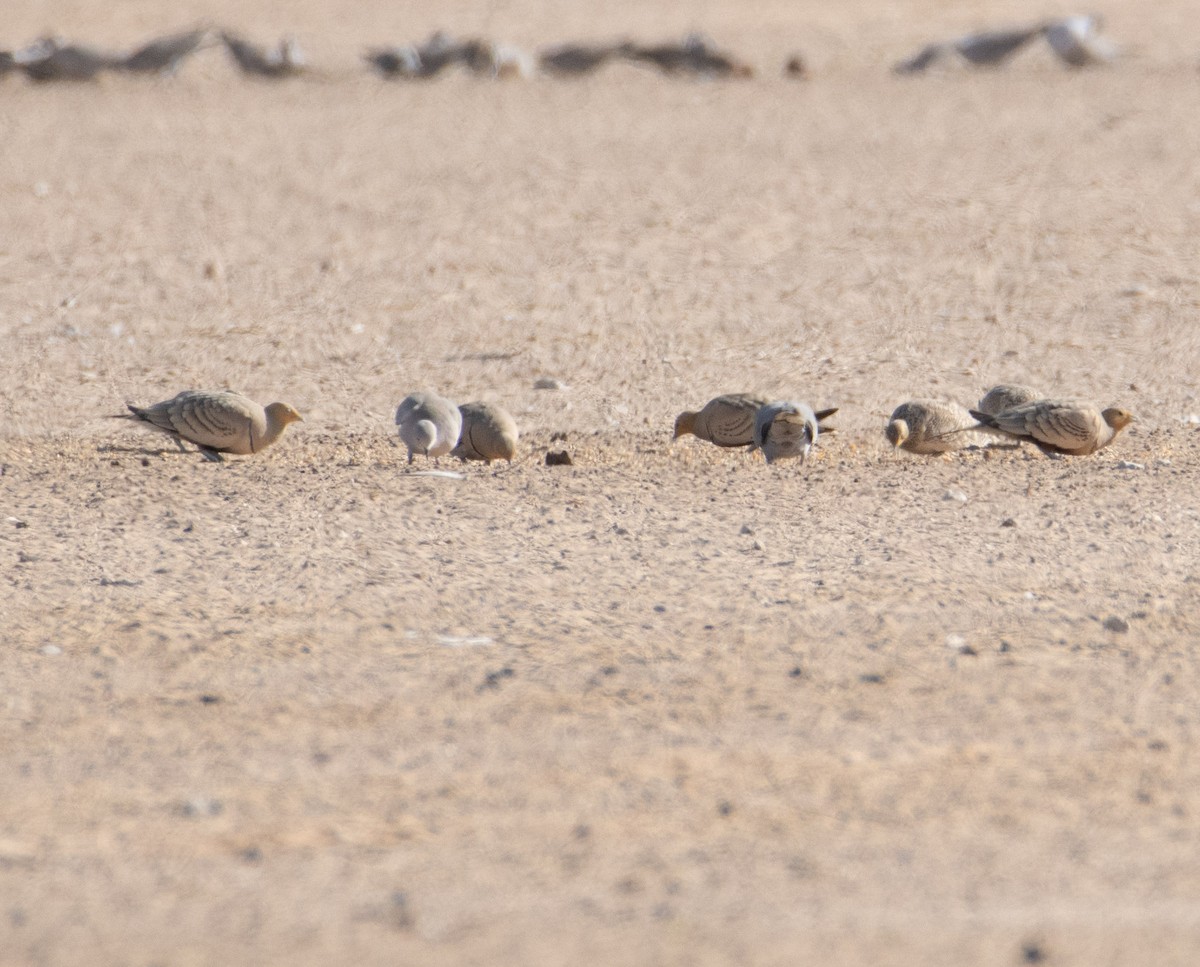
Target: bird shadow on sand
{"points": [[146, 451]]}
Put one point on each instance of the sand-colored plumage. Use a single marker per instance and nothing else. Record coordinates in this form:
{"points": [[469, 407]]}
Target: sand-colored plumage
{"points": [[930, 426], [217, 421], [728, 420], [1059, 426], [488, 433], [785, 429], [1006, 396], [429, 424]]}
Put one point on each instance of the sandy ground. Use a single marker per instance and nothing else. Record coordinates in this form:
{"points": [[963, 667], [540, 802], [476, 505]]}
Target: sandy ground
{"points": [[668, 705]]}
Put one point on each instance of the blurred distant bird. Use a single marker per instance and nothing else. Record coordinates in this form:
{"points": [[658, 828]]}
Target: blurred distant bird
{"points": [[1077, 41], [441, 51], [430, 58], [929, 426], [694, 55], [163, 55], [8, 62], [576, 59], [285, 60], [429, 424], [217, 422], [993, 47], [923, 59], [785, 429], [403, 61], [1005, 396], [498, 61], [1059, 426], [51, 60], [988, 48]]}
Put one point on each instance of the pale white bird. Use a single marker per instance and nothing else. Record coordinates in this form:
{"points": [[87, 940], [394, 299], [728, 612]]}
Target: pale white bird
{"points": [[216, 421], [1059, 426], [785, 429], [429, 424]]}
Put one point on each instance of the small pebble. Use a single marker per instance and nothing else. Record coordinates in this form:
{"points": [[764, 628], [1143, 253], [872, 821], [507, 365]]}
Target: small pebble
{"points": [[955, 495], [559, 458], [1008, 522], [51, 650], [1130, 465], [1119, 625], [548, 382]]}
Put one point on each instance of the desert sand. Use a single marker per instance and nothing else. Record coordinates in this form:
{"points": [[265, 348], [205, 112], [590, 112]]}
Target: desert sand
{"points": [[667, 705]]}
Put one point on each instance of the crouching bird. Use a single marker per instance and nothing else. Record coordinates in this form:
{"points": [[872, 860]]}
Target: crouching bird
{"points": [[785, 429], [216, 421], [428, 424], [1059, 426]]}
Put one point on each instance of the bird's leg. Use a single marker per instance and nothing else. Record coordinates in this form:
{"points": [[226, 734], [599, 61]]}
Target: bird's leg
{"points": [[211, 454]]}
